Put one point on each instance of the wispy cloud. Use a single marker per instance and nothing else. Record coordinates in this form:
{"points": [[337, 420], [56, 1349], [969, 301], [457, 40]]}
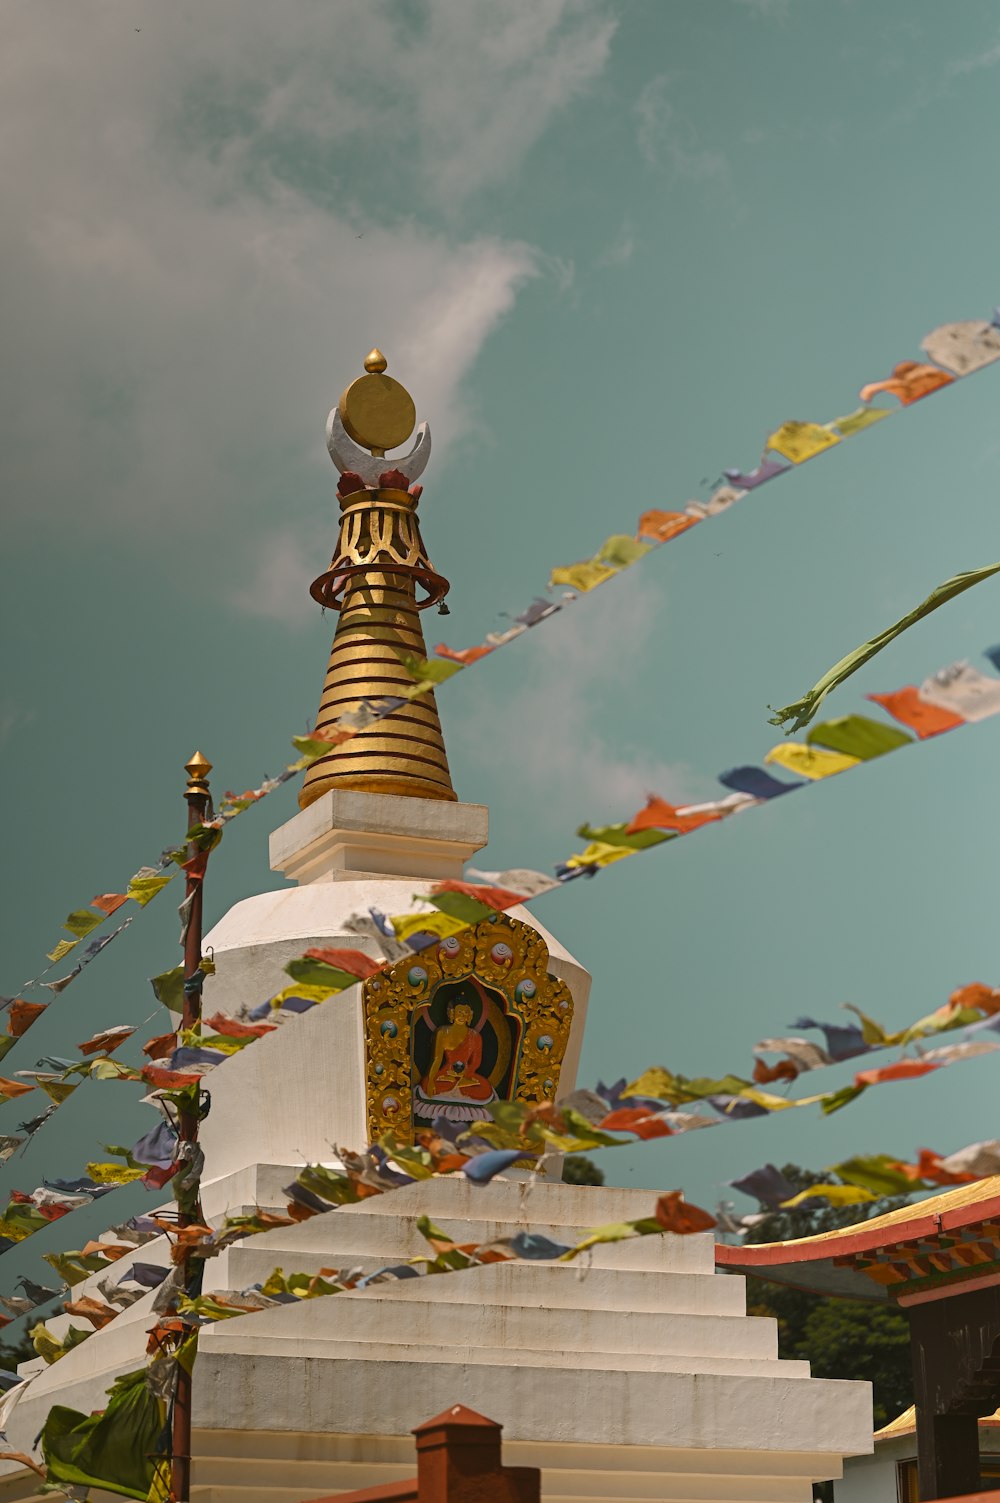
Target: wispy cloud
{"points": [[621, 250], [668, 139], [974, 64], [551, 726], [195, 279]]}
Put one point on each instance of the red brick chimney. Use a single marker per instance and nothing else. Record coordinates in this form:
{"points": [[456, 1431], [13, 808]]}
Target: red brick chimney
{"points": [[458, 1461]]}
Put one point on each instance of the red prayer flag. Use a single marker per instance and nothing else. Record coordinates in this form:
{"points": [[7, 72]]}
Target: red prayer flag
{"points": [[675, 1215], [230, 1029], [493, 897], [22, 1014], [903, 1069], [641, 1120]]}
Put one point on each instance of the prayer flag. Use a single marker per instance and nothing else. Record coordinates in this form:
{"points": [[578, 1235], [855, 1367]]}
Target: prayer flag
{"points": [[108, 902], [964, 690], [863, 417], [909, 382], [963, 347], [810, 763], [756, 782], [143, 889], [659, 526], [583, 576], [903, 1069], [836, 1195], [909, 708], [464, 655], [62, 948], [660, 815], [801, 441], [857, 736]]}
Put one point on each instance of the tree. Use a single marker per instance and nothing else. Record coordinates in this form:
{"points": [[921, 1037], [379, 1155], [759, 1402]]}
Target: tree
{"points": [[839, 1338], [579, 1170]]}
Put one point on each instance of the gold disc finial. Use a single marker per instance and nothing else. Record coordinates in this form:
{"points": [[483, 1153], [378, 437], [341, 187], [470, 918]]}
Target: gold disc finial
{"points": [[377, 411], [198, 770]]}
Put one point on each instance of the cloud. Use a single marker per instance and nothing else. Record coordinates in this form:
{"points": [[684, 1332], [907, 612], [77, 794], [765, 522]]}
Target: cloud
{"points": [[621, 250], [209, 220], [666, 138], [768, 10], [988, 59], [552, 722]]}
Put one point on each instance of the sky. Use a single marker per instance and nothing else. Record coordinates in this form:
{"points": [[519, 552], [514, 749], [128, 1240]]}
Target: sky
{"points": [[608, 246]]}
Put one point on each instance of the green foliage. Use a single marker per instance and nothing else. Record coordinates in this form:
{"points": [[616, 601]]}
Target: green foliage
{"points": [[839, 1338], [579, 1170], [11, 1353]]}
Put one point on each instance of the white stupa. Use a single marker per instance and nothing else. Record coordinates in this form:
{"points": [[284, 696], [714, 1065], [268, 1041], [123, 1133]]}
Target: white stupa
{"points": [[636, 1377]]}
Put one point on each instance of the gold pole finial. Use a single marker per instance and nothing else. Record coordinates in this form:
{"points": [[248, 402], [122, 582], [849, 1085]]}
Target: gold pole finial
{"points": [[377, 412], [198, 770]]}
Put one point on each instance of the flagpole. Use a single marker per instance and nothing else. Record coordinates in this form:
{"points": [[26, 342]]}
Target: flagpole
{"points": [[199, 801]]}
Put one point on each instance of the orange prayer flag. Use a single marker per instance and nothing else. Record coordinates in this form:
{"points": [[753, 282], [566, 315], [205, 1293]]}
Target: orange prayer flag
{"points": [[22, 1014], [659, 815], [977, 994], [93, 1310], [641, 1120], [929, 1167], [11, 1088], [906, 706], [464, 655], [109, 902], [164, 1044], [675, 1215], [660, 526], [106, 1042], [785, 1069], [110, 1250], [354, 962], [909, 381], [170, 1080], [231, 1029], [493, 897], [903, 1069]]}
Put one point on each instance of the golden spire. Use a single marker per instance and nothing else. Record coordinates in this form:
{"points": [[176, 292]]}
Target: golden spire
{"points": [[372, 581], [197, 770]]}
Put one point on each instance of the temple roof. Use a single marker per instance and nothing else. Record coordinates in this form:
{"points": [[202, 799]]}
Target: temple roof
{"points": [[914, 1253]]}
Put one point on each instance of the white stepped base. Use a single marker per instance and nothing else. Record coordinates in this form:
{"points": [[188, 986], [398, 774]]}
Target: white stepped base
{"points": [[642, 1346]]}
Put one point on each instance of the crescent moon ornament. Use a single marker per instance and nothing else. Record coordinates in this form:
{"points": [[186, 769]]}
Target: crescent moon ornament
{"points": [[346, 454]]}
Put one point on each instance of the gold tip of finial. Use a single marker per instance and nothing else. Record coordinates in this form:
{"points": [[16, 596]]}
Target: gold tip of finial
{"points": [[198, 770], [376, 411]]}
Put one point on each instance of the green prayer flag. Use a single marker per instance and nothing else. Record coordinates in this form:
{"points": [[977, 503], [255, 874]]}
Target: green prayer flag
{"points": [[801, 711], [80, 923], [6, 1044], [620, 551], [858, 736], [832, 1101], [116, 1450], [57, 1090], [618, 835], [313, 747], [874, 1172], [309, 972], [428, 670], [168, 988], [460, 906], [74, 1267]]}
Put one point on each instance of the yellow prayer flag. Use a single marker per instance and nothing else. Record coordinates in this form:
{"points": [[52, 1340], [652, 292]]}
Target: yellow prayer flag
{"points": [[800, 441], [599, 854], [143, 889], [441, 924], [583, 576], [837, 1195], [62, 948], [115, 1174], [809, 761], [307, 993]]}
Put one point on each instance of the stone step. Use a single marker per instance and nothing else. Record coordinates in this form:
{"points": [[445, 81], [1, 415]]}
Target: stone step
{"points": [[544, 1285], [521, 1322], [216, 1479], [318, 1344]]}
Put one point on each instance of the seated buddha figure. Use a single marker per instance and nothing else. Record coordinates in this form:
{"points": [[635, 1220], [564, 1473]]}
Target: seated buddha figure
{"points": [[458, 1053]]}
